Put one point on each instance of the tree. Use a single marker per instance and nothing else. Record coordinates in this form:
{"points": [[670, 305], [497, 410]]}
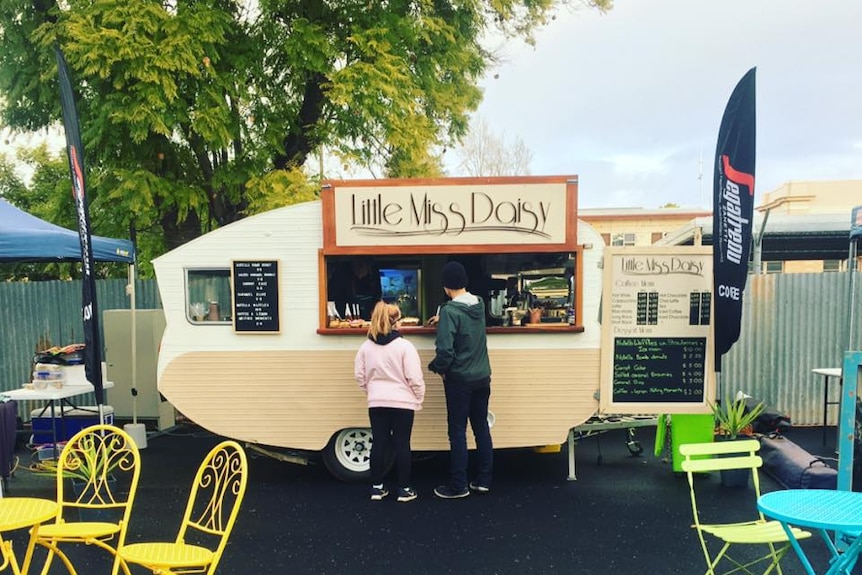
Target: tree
{"points": [[197, 113], [484, 153], [11, 183]]}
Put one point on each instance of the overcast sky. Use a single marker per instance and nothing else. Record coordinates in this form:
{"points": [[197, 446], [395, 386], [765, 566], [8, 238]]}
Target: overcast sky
{"points": [[630, 100]]}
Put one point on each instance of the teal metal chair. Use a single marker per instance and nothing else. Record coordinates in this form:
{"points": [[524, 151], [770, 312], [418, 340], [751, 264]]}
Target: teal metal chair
{"points": [[728, 455]]}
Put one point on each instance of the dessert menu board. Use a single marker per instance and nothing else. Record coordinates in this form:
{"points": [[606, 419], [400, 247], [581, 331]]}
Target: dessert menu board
{"points": [[255, 296], [657, 330]]}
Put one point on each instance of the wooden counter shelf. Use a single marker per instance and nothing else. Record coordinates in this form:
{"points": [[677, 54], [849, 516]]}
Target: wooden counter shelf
{"points": [[528, 328]]}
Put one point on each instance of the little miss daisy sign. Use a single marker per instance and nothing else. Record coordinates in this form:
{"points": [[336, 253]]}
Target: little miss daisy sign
{"points": [[487, 211]]}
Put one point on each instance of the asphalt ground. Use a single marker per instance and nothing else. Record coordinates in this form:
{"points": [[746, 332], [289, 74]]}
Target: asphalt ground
{"points": [[627, 514]]}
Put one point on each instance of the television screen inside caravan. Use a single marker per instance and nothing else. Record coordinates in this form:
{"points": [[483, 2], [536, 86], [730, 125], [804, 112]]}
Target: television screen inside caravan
{"points": [[401, 287]]}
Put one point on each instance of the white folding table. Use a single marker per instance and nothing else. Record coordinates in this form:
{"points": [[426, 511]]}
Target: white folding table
{"points": [[54, 397], [827, 372]]}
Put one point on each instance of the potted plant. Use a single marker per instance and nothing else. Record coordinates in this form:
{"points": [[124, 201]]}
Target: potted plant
{"points": [[89, 466], [732, 419], [86, 463]]}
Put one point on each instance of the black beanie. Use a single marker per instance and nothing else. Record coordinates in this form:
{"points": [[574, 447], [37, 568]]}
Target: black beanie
{"points": [[454, 276]]}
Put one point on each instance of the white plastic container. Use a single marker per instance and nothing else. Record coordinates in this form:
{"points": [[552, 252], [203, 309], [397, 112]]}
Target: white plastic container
{"points": [[48, 373]]}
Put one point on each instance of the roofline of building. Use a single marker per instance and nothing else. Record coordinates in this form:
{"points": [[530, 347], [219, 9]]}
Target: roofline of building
{"points": [[611, 214]]}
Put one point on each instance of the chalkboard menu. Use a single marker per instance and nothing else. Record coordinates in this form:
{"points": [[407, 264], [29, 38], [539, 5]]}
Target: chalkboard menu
{"points": [[659, 369], [255, 297], [656, 330]]}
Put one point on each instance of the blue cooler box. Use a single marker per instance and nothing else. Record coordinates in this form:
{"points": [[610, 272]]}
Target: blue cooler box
{"points": [[73, 420]]}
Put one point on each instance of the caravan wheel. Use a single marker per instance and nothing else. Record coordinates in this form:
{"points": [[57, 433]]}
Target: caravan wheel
{"points": [[348, 454]]}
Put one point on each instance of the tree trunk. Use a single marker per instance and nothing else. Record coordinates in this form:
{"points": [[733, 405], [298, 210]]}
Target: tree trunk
{"points": [[178, 233], [300, 141]]}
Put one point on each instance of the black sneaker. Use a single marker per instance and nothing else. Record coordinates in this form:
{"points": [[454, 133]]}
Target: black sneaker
{"points": [[479, 488], [446, 492], [406, 494], [378, 493]]}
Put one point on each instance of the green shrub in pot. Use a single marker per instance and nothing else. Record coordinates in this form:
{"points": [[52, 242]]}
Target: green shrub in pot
{"points": [[732, 419]]}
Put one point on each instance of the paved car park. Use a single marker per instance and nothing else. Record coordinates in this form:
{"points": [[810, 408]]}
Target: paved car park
{"points": [[628, 514]]}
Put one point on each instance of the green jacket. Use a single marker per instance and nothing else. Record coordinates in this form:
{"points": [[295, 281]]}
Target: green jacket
{"points": [[462, 346]]}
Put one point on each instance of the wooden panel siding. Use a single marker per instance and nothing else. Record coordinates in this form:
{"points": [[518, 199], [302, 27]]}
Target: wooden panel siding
{"points": [[301, 398]]}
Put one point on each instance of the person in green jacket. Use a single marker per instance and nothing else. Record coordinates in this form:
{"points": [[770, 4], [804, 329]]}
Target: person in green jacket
{"points": [[462, 361]]}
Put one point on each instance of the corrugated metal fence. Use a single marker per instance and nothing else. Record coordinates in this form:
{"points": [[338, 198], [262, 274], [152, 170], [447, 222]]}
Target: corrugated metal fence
{"points": [[792, 323], [38, 315]]}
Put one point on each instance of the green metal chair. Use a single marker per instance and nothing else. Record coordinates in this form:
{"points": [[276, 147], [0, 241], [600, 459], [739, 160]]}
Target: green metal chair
{"points": [[727, 455]]}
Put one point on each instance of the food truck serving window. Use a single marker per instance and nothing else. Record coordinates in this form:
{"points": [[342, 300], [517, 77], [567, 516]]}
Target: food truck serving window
{"points": [[208, 296], [534, 290]]}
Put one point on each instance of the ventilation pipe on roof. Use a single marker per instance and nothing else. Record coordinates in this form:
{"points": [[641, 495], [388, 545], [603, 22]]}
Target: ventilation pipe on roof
{"points": [[758, 245], [855, 234]]}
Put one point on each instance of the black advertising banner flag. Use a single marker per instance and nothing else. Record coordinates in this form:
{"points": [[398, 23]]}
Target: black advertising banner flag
{"points": [[89, 309], [732, 212]]}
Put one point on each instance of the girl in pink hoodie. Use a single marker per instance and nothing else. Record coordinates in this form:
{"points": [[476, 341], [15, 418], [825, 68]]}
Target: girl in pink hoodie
{"points": [[388, 369]]}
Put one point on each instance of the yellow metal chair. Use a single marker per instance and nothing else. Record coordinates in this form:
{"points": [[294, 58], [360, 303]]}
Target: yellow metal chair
{"points": [[210, 514], [725, 455], [97, 477]]}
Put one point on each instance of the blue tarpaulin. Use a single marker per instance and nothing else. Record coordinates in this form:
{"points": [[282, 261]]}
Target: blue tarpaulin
{"points": [[26, 238]]}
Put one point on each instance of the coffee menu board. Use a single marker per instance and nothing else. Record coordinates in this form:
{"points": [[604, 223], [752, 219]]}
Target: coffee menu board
{"points": [[255, 296], [657, 330]]}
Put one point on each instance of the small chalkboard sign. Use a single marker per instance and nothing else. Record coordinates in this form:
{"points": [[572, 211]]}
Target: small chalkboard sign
{"points": [[255, 296], [659, 369]]}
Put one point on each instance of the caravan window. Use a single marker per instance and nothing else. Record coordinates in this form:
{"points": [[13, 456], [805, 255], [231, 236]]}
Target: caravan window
{"points": [[546, 280], [208, 296]]}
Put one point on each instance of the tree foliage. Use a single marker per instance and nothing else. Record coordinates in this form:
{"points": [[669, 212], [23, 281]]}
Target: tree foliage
{"points": [[196, 113]]}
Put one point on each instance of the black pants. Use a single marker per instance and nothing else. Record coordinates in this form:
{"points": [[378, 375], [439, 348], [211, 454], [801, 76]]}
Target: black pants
{"points": [[469, 401], [391, 426]]}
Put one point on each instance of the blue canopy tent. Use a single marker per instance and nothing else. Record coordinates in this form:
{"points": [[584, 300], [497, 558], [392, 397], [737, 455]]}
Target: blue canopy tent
{"points": [[26, 238]]}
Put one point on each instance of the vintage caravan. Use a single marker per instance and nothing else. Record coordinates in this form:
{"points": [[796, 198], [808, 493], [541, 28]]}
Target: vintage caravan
{"points": [[264, 316]]}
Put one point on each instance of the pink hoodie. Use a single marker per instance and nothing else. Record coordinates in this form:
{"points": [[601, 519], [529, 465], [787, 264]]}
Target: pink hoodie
{"points": [[391, 374]]}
